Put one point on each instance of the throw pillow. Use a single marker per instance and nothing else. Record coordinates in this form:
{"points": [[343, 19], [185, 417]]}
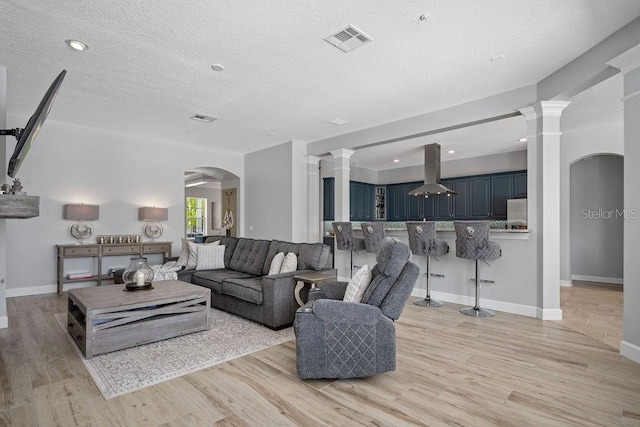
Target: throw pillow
{"points": [[276, 264], [184, 253], [210, 257], [358, 285], [193, 253], [290, 263]]}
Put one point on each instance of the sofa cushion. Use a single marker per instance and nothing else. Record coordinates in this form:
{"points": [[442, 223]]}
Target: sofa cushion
{"points": [[229, 243], [249, 256], [249, 290], [213, 279], [311, 256]]}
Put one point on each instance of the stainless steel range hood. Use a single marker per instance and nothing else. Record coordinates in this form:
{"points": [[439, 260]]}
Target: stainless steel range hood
{"points": [[432, 186]]}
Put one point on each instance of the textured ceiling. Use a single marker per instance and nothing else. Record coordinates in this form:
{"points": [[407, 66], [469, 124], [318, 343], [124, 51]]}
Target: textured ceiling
{"points": [[148, 67]]}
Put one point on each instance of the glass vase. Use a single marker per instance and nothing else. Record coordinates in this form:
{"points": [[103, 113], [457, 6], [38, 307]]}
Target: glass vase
{"points": [[138, 274]]}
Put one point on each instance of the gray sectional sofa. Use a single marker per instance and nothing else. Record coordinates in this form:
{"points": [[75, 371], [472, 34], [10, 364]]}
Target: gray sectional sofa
{"points": [[243, 286]]}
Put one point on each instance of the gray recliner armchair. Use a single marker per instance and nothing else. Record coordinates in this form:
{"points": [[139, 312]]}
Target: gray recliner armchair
{"points": [[338, 339]]}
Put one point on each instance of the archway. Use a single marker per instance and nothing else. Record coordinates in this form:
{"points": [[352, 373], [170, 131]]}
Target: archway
{"points": [[211, 206]]}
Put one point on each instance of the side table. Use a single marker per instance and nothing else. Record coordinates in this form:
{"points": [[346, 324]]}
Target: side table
{"points": [[315, 279]]}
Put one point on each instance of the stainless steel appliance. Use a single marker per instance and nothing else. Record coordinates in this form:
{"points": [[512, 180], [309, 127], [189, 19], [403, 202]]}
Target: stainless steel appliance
{"points": [[516, 213]]}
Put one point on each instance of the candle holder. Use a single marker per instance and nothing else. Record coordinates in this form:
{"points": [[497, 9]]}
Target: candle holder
{"points": [[138, 275]]}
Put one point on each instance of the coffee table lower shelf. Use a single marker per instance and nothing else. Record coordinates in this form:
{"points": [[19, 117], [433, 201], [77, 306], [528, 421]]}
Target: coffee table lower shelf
{"points": [[104, 319]]}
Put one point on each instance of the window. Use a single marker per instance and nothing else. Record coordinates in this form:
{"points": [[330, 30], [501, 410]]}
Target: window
{"points": [[196, 216]]}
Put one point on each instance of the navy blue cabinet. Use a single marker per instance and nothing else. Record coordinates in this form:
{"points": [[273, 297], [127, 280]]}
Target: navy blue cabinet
{"points": [[501, 190], [461, 200], [328, 200], [479, 197], [444, 204], [392, 202], [361, 201], [520, 185]]}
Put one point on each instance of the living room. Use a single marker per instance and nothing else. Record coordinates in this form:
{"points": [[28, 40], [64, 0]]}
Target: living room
{"points": [[124, 167]]}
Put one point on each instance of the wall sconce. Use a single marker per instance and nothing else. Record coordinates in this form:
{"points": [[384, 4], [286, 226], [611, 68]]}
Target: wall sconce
{"points": [[153, 229], [80, 230]]}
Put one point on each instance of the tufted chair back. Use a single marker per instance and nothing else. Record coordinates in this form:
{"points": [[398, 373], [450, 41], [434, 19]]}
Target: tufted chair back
{"points": [[472, 241], [422, 239]]}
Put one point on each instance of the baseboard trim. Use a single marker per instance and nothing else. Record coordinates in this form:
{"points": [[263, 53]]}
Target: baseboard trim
{"points": [[612, 280], [549, 313], [567, 283], [507, 307], [630, 351], [46, 289], [4, 322]]}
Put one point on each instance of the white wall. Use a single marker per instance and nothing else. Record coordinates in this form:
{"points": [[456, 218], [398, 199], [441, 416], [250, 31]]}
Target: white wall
{"points": [[495, 163], [268, 176], [120, 173], [597, 218]]}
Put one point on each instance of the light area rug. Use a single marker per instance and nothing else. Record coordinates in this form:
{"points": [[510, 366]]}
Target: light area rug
{"points": [[132, 369]]}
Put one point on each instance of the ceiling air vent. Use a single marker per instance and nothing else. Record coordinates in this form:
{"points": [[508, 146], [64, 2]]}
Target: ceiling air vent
{"points": [[203, 118], [348, 39]]}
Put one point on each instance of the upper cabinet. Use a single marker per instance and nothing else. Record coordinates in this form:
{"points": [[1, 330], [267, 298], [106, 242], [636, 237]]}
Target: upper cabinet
{"points": [[328, 200], [362, 201], [501, 190], [520, 185], [478, 197]]}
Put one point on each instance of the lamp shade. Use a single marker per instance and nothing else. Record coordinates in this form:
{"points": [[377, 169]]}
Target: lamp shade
{"points": [[80, 212], [153, 214]]}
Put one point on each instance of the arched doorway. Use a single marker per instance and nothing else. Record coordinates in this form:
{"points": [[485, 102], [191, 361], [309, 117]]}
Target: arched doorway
{"points": [[211, 204], [593, 305]]}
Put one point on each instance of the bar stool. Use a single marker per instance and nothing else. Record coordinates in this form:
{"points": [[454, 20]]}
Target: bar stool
{"points": [[373, 233], [423, 242], [345, 241], [472, 242]]}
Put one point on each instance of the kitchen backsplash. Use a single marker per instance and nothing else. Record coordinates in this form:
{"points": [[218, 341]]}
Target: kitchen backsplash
{"points": [[402, 225]]}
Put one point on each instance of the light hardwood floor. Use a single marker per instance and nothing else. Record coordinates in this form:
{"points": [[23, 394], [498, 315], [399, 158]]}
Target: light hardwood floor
{"points": [[452, 369], [594, 309]]}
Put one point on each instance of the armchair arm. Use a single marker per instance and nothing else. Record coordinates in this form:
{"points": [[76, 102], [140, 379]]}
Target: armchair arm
{"points": [[346, 312]]}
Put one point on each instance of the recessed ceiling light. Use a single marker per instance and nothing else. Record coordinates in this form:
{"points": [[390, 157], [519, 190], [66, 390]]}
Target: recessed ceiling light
{"points": [[76, 45], [396, 160], [425, 16], [217, 67], [451, 151], [497, 58], [338, 122], [522, 140]]}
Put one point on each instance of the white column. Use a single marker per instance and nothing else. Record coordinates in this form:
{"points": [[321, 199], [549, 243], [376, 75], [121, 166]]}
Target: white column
{"points": [[629, 64], [341, 173], [313, 199], [543, 182], [341, 169]]}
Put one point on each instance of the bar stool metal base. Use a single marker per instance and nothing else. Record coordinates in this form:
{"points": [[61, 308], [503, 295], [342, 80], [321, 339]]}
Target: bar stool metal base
{"points": [[428, 302], [477, 312]]}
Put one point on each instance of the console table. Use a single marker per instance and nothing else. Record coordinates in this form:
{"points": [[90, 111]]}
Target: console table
{"points": [[99, 250]]}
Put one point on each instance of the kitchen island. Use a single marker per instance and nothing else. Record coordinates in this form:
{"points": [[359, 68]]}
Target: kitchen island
{"points": [[514, 290]]}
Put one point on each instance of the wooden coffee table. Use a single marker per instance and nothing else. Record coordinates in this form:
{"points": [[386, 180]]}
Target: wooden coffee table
{"points": [[107, 318]]}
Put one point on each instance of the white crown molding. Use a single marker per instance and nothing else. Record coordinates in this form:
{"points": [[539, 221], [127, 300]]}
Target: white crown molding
{"points": [[544, 109], [312, 160], [342, 153]]}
